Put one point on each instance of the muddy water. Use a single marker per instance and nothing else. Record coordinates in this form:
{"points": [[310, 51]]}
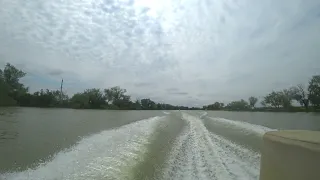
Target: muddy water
{"points": [[70, 144]]}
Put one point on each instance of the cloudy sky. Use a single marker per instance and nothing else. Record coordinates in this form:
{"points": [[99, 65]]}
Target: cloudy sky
{"points": [[189, 52]]}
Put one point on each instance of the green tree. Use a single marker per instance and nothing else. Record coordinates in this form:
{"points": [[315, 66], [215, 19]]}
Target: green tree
{"points": [[47, 98], [287, 95], [123, 102], [300, 95], [148, 104], [117, 99], [137, 105], [80, 101], [6, 100], [11, 77], [89, 99], [274, 99], [215, 106], [114, 94], [96, 98], [238, 105], [159, 106], [314, 91], [281, 98], [253, 101], [62, 99]]}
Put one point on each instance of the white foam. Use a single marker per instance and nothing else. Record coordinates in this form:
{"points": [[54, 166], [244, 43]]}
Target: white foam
{"points": [[165, 112], [257, 129], [200, 154], [203, 114], [106, 155]]}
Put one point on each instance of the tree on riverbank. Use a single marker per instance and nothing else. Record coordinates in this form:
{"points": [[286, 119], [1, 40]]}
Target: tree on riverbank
{"points": [[238, 105], [6, 100], [214, 106], [301, 96], [282, 100], [253, 101], [10, 87], [12, 92], [314, 91]]}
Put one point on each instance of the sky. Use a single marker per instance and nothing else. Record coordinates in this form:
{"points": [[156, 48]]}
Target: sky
{"points": [[186, 52]]}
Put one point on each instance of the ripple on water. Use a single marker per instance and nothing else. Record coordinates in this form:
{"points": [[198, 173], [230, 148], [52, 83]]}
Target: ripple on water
{"points": [[107, 155], [200, 154], [195, 154]]}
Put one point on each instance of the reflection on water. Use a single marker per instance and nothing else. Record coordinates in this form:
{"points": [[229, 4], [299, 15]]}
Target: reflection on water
{"points": [[6, 113], [5, 135], [7, 123]]}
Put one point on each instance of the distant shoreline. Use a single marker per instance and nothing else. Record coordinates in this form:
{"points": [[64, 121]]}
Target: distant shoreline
{"points": [[14, 93], [293, 110]]}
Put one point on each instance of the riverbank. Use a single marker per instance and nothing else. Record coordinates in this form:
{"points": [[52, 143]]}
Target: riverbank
{"points": [[263, 109]]}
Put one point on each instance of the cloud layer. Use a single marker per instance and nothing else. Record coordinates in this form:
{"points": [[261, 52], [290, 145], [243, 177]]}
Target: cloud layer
{"points": [[190, 52]]}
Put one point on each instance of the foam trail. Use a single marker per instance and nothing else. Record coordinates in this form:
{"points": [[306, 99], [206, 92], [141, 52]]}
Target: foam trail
{"points": [[252, 128], [165, 112], [248, 159], [107, 155], [199, 154], [203, 115]]}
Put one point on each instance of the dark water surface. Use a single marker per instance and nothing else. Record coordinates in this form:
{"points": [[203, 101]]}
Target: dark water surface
{"points": [[28, 135], [96, 144]]}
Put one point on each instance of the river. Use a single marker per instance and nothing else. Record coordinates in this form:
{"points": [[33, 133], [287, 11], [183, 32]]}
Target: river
{"points": [[72, 144]]}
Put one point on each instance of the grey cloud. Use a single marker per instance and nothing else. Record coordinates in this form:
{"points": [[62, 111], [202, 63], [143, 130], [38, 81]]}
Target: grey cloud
{"points": [[206, 95], [239, 78], [222, 50], [55, 72], [143, 84], [179, 93], [171, 90], [222, 19], [145, 10]]}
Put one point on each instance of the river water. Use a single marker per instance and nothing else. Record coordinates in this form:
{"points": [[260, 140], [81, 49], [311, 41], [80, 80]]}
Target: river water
{"points": [[95, 144]]}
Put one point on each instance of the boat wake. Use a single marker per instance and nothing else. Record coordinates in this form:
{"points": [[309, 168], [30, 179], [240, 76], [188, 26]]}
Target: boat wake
{"points": [[200, 154], [244, 126], [203, 115], [177, 147], [108, 155]]}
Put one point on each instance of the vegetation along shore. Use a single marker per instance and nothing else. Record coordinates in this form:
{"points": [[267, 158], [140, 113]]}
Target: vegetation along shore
{"points": [[14, 93]]}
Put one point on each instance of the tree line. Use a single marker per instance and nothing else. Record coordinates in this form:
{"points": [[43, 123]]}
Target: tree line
{"points": [[308, 98], [14, 93]]}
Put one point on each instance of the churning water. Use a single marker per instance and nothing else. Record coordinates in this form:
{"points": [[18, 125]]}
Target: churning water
{"points": [[186, 148]]}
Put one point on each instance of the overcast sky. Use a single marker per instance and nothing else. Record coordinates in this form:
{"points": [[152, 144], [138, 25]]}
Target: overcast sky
{"points": [[188, 52]]}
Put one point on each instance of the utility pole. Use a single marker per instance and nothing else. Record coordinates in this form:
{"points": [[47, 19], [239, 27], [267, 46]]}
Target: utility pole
{"points": [[61, 91]]}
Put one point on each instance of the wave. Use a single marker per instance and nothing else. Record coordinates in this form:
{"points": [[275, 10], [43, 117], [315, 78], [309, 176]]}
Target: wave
{"points": [[195, 153], [203, 115], [166, 112], [244, 126], [200, 154], [107, 155]]}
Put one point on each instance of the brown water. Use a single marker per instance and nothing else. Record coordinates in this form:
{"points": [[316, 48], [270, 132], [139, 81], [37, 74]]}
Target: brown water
{"points": [[28, 135], [96, 144]]}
